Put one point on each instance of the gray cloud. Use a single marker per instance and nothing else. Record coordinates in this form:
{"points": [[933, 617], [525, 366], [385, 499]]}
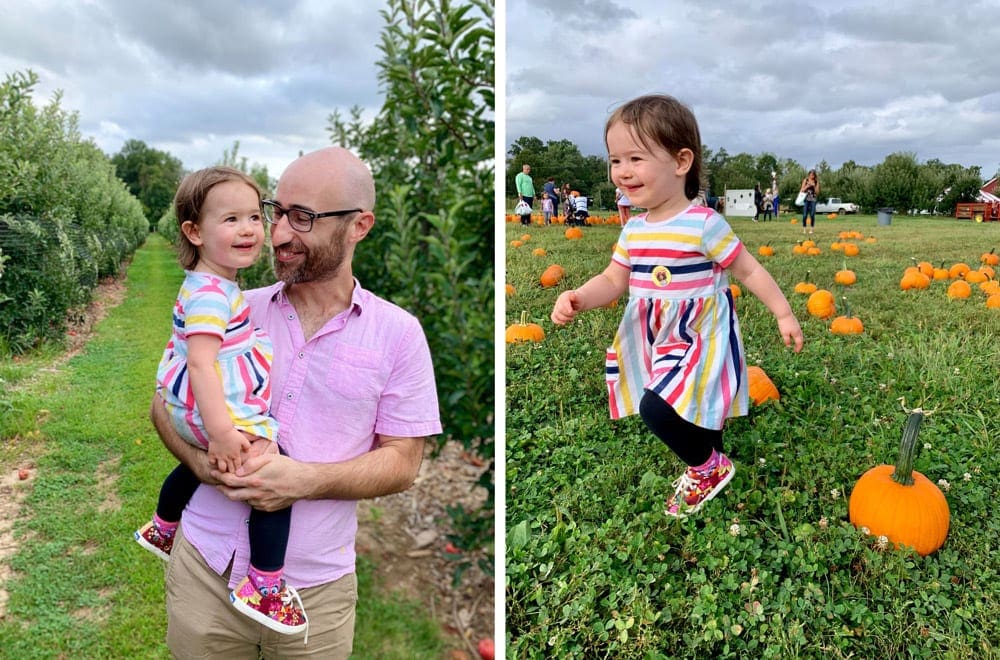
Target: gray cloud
{"points": [[811, 81], [191, 77]]}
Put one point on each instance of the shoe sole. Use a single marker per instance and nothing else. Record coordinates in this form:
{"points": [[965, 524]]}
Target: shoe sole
{"points": [[685, 511], [263, 619], [149, 546]]}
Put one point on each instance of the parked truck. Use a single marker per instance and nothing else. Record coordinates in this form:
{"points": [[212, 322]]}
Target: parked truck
{"points": [[836, 205]]}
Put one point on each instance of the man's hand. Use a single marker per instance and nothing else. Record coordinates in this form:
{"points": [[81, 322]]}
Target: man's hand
{"points": [[267, 482]]}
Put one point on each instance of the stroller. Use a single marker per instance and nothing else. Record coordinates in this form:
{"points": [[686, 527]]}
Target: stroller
{"points": [[580, 214]]}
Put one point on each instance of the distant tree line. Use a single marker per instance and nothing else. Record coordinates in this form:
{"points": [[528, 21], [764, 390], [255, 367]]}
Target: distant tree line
{"points": [[899, 182]]}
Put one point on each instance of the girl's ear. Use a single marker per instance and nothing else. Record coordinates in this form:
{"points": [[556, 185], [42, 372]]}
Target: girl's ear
{"points": [[685, 159], [192, 232]]}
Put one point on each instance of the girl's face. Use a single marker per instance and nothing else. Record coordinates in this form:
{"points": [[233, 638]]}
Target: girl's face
{"points": [[230, 231], [651, 177]]}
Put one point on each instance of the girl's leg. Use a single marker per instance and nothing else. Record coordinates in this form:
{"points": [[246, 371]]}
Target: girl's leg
{"points": [[157, 536], [709, 470]]}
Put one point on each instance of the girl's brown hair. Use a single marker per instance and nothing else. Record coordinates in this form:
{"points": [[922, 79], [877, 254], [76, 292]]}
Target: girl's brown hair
{"points": [[659, 119], [190, 198]]}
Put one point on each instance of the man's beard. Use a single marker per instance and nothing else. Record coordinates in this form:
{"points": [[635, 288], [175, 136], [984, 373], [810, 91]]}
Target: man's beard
{"points": [[319, 263]]}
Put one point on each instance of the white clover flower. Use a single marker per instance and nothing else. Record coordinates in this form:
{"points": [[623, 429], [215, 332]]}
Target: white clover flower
{"points": [[927, 445], [890, 355], [762, 461], [865, 530], [945, 486], [882, 386], [835, 493], [823, 522], [734, 530], [957, 371], [833, 381], [882, 543], [967, 477], [855, 390]]}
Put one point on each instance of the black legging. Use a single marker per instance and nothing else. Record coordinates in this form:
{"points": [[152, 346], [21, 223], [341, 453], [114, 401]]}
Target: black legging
{"points": [[693, 444]]}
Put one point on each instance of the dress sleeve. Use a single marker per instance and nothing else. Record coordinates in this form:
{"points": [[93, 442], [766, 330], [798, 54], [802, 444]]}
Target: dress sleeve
{"points": [[620, 254], [719, 242], [207, 311]]}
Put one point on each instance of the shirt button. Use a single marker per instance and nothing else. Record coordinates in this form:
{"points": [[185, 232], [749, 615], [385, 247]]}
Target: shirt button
{"points": [[289, 395], [302, 355], [246, 522], [291, 317]]}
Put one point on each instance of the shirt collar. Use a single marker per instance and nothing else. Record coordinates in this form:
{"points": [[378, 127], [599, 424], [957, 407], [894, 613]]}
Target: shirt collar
{"points": [[359, 296]]}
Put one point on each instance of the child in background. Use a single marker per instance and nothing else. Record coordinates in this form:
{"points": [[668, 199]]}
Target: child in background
{"points": [[548, 208], [214, 379], [677, 358]]}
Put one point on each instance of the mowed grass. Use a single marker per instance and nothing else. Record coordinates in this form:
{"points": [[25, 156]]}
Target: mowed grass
{"points": [[772, 567], [78, 585]]}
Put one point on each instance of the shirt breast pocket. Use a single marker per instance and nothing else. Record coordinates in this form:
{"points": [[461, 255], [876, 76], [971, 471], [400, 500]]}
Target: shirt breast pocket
{"points": [[356, 373]]}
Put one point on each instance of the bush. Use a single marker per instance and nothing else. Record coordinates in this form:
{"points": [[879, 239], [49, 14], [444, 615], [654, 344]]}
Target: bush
{"points": [[65, 219]]}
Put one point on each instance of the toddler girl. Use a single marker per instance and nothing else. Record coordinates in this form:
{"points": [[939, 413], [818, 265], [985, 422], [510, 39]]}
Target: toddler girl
{"points": [[214, 379], [677, 358]]}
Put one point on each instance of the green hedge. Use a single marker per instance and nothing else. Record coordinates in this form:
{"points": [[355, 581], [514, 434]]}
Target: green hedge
{"points": [[66, 220]]}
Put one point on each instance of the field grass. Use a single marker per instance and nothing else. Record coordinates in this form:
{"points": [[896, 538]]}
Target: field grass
{"points": [[80, 586], [772, 567]]}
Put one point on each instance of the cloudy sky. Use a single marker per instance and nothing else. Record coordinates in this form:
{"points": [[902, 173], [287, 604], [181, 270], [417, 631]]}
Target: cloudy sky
{"points": [[190, 77], [834, 80]]}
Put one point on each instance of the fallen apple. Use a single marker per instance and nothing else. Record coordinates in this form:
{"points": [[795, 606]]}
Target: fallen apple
{"points": [[485, 649], [23, 474]]}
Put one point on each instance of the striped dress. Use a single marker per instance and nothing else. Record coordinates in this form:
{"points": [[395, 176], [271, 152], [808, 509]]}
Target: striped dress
{"points": [[679, 336], [209, 304]]}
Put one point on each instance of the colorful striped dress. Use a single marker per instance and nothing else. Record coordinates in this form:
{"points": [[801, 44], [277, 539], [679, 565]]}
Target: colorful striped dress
{"points": [[679, 336], [209, 304]]}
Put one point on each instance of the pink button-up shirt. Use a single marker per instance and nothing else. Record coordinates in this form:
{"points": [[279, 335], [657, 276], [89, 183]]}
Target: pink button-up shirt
{"points": [[367, 371]]}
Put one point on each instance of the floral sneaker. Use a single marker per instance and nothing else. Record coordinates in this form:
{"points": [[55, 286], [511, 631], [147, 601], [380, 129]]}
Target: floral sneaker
{"points": [[279, 610], [694, 489], [149, 537]]}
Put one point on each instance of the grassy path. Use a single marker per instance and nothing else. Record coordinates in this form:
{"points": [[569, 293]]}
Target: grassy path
{"points": [[80, 586]]}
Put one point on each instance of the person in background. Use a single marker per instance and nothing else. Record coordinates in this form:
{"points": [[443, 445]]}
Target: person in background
{"points": [[569, 205], [624, 206], [810, 186], [550, 187], [677, 359], [525, 186], [765, 204], [547, 209], [758, 199]]}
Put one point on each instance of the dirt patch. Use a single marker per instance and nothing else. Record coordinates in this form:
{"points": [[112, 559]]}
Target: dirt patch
{"points": [[405, 535], [14, 487]]}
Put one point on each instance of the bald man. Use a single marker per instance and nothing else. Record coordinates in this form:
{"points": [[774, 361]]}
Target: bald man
{"points": [[354, 396]]}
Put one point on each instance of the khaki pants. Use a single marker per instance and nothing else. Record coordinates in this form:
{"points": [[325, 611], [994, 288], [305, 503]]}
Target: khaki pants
{"points": [[202, 622]]}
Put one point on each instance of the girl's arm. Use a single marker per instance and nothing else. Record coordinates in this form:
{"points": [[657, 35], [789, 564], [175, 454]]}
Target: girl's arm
{"points": [[597, 292], [759, 282], [225, 443]]}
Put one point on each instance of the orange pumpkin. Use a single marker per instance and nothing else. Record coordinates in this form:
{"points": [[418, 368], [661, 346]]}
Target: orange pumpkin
{"points": [[760, 386], [900, 503], [813, 251], [959, 289], [538, 252], [914, 279], [958, 270], [524, 331], [990, 258], [845, 276], [805, 287], [993, 302], [799, 248], [990, 287], [765, 250], [552, 275], [516, 243], [525, 237], [851, 250], [941, 273], [574, 233], [847, 324], [509, 289], [820, 304], [735, 290], [975, 277]]}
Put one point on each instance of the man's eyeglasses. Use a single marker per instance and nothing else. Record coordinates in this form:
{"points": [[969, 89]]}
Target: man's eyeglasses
{"points": [[299, 219]]}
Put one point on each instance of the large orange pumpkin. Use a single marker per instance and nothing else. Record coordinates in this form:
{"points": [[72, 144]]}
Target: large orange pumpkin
{"points": [[959, 289], [900, 503], [574, 233], [847, 324], [760, 387], [990, 258]]}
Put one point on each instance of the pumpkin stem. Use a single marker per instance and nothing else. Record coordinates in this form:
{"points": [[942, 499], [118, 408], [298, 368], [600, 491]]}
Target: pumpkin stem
{"points": [[847, 306], [524, 317], [903, 474]]}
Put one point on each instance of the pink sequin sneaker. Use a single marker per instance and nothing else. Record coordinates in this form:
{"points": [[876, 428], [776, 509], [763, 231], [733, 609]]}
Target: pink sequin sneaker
{"points": [[694, 489], [280, 610], [150, 538]]}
